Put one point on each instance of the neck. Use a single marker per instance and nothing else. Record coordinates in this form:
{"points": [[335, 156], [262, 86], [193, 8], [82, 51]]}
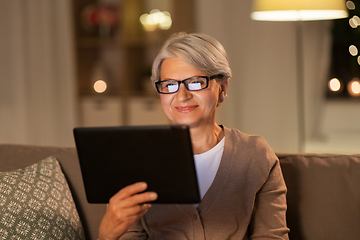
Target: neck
{"points": [[205, 138]]}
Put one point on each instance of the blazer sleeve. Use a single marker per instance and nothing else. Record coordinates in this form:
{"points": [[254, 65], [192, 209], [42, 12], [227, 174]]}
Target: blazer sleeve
{"points": [[269, 215], [135, 232]]}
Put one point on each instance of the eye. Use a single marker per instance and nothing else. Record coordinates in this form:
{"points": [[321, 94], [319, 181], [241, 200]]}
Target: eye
{"points": [[195, 80], [169, 86], [196, 83], [194, 86]]}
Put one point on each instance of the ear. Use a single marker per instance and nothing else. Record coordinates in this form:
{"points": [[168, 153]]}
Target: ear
{"points": [[224, 86], [223, 90]]}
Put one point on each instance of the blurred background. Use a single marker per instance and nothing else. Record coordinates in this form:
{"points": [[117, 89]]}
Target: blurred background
{"points": [[67, 63]]}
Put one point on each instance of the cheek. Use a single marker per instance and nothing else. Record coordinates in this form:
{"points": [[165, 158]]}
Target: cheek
{"points": [[165, 101], [211, 99], [213, 102]]}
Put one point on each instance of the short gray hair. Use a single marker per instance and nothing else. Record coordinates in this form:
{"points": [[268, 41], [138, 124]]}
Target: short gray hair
{"points": [[197, 49]]}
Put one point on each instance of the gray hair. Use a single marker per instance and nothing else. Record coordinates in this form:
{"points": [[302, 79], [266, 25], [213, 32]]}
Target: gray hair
{"points": [[197, 49]]}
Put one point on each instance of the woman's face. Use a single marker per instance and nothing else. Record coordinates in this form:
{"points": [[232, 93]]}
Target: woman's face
{"points": [[192, 108]]}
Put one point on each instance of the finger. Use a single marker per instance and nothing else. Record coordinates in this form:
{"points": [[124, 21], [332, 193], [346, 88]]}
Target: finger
{"points": [[134, 203], [136, 212], [130, 190], [118, 217], [141, 198], [128, 197]]}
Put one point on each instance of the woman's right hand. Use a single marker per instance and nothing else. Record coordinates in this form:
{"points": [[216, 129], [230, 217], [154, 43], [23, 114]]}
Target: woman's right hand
{"points": [[124, 209]]}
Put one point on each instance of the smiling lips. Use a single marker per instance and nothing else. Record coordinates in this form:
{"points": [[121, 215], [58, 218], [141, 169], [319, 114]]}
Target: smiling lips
{"points": [[186, 109]]}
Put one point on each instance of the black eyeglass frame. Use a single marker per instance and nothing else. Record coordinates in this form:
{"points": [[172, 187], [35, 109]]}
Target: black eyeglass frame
{"points": [[208, 78]]}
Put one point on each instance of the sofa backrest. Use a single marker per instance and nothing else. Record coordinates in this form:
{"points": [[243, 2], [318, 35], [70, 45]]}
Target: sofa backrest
{"points": [[323, 195], [323, 190], [14, 157]]}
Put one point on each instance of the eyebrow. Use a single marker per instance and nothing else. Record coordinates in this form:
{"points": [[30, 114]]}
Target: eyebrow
{"points": [[165, 79]]}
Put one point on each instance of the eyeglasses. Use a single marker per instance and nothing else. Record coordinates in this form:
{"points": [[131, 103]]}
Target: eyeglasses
{"points": [[191, 84]]}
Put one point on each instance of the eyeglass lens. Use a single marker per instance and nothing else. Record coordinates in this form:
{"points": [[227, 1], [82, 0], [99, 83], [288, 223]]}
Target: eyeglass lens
{"points": [[192, 84]]}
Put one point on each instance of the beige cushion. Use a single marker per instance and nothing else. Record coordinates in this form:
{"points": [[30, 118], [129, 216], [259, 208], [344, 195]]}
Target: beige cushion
{"points": [[14, 156], [36, 203]]}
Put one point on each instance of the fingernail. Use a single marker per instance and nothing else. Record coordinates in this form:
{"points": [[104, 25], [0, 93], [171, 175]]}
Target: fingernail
{"points": [[153, 195]]}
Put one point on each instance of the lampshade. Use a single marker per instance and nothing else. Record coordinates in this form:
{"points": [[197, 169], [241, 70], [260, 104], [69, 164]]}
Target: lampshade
{"points": [[298, 10]]}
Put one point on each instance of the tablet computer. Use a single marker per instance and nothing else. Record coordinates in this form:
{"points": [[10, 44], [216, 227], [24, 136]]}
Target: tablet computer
{"points": [[114, 157]]}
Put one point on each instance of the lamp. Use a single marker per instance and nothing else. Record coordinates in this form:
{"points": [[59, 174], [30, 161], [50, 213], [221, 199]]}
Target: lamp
{"points": [[299, 10]]}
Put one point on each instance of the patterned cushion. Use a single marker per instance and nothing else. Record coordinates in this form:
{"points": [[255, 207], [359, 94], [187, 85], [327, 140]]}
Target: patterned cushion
{"points": [[36, 203]]}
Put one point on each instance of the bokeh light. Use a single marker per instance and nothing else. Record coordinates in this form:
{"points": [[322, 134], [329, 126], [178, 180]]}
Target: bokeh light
{"points": [[354, 22], [350, 5], [334, 85], [354, 87], [353, 50], [156, 19], [100, 86]]}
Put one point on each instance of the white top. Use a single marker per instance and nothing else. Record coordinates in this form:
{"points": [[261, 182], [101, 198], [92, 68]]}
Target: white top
{"points": [[206, 165]]}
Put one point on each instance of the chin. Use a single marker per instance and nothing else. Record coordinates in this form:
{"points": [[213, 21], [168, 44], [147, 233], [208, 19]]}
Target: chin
{"points": [[183, 122]]}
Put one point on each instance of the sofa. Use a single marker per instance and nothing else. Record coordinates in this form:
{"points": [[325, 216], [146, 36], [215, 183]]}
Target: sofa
{"points": [[323, 191]]}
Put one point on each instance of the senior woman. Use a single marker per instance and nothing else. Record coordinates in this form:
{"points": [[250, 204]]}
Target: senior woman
{"points": [[243, 194]]}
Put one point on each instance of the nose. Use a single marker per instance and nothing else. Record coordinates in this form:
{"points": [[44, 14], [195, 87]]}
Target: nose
{"points": [[183, 94]]}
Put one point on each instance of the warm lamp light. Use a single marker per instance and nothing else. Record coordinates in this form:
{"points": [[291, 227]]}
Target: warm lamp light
{"points": [[295, 10], [299, 10]]}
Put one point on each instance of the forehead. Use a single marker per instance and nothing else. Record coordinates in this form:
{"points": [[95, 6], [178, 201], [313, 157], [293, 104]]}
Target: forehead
{"points": [[176, 68]]}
